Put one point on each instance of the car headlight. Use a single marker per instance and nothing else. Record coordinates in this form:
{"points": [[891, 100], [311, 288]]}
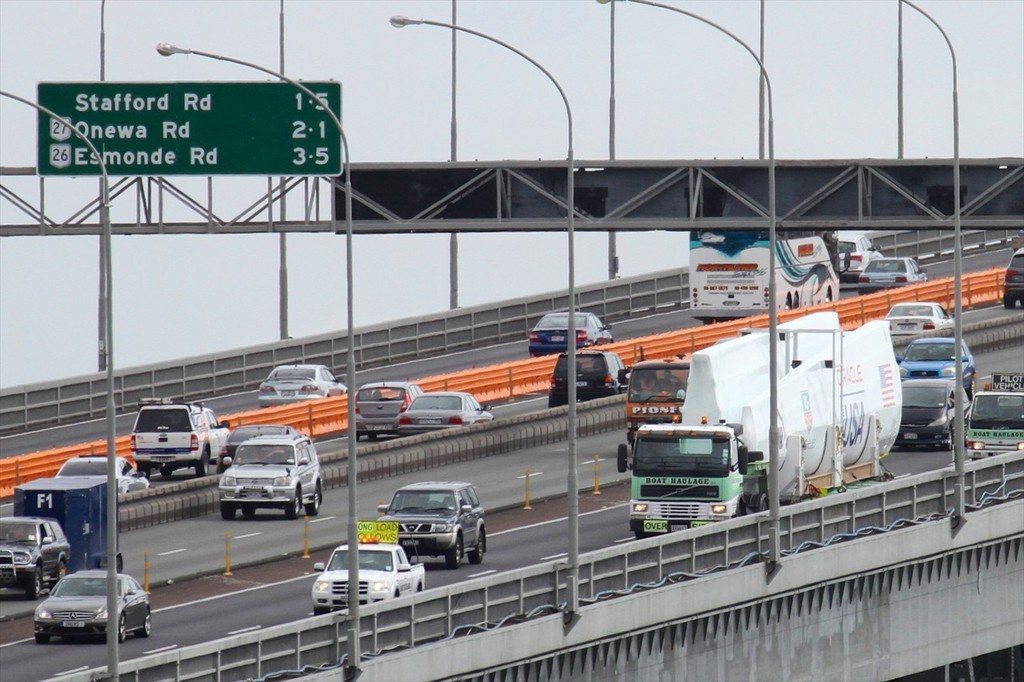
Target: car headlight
{"points": [[22, 558], [904, 372], [227, 481], [640, 507], [322, 586], [101, 614], [976, 445], [1020, 446], [282, 480], [379, 586], [718, 509], [939, 422], [43, 612], [948, 371], [442, 527]]}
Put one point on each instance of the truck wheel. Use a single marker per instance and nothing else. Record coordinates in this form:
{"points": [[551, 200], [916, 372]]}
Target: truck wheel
{"points": [[41, 638], [147, 626], [34, 588], [145, 469], [476, 555], [622, 459], [166, 471], [249, 511], [201, 464], [122, 629], [313, 508], [294, 507], [227, 510], [320, 610], [763, 504], [639, 534], [453, 557], [1008, 302]]}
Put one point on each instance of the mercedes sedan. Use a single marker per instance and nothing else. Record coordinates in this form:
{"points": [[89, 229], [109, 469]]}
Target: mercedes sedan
{"points": [[295, 383], [441, 410], [77, 607]]}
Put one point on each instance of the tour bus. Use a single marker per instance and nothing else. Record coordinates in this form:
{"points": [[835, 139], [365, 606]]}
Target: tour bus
{"points": [[729, 272]]}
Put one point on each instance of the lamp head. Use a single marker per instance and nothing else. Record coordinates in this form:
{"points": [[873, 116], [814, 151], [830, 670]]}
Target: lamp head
{"points": [[399, 21], [604, 2], [166, 49]]}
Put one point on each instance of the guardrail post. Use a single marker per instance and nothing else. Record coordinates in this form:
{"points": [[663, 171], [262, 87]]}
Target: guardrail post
{"points": [[310, 418], [227, 553], [145, 571], [527, 505], [511, 387], [861, 299], [597, 474], [305, 539], [17, 473], [969, 294]]}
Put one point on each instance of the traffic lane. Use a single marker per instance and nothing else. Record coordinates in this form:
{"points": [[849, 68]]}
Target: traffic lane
{"points": [[637, 326], [253, 605]]}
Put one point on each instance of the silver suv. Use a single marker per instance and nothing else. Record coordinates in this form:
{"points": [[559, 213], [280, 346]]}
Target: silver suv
{"points": [[439, 519], [277, 472]]}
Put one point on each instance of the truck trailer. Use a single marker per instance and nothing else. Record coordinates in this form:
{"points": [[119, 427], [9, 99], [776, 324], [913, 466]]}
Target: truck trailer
{"points": [[839, 413]]}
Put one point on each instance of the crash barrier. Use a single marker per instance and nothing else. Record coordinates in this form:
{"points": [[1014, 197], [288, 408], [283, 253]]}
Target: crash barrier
{"points": [[197, 378], [828, 539], [508, 381]]}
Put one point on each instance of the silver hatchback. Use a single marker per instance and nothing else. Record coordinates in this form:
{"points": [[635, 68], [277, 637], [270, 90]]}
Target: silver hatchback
{"points": [[379, 406]]}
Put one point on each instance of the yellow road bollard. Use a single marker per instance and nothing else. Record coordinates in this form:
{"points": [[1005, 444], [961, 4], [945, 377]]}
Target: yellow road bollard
{"points": [[527, 506], [597, 475], [227, 553], [305, 540], [145, 571]]}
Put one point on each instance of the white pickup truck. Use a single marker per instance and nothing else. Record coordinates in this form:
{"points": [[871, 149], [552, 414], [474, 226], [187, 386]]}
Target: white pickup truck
{"points": [[169, 436], [384, 573]]}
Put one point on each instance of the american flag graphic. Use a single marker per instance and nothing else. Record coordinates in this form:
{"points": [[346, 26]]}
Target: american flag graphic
{"points": [[888, 390]]}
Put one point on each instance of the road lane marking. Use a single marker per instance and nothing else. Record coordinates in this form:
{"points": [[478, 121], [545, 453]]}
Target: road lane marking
{"points": [[553, 556], [173, 551], [247, 535], [69, 672], [163, 648], [322, 518], [629, 539], [477, 575], [535, 474], [248, 629], [558, 520]]}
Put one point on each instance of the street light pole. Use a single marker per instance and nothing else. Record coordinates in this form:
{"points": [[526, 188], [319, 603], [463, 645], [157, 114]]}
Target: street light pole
{"points": [[107, 339], [352, 669], [958, 331], [773, 337], [572, 601]]}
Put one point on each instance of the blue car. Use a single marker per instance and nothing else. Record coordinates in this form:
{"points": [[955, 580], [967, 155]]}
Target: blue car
{"points": [[935, 358], [550, 332]]}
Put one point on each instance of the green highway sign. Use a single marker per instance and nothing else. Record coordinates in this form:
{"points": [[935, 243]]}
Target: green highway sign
{"points": [[206, 128]]}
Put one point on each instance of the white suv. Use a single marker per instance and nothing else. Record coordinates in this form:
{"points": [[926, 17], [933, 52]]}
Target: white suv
{"points": [[277, 472]]}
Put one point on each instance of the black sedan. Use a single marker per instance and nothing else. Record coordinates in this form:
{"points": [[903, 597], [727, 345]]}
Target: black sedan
{"points": [[928, 410]]}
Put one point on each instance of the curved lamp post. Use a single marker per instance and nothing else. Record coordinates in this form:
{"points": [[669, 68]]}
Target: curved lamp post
{"points": [[573, 482], [167, 50], [773, 342], [958, 332], [106, 339]]}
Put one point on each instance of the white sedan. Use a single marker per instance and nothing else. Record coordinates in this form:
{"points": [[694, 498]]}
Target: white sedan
{"points": [[916, 318], [127, 477]]}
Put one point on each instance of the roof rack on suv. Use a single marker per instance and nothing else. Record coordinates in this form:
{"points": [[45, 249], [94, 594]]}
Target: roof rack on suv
{"points": [[156, 401]]}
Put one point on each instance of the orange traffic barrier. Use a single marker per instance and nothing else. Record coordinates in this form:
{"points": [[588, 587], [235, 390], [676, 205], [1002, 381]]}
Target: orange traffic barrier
{"points": [[522, 377]]}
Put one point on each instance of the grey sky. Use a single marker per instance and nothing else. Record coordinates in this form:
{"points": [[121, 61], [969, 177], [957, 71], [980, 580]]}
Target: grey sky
{"points": [[684, 91]]}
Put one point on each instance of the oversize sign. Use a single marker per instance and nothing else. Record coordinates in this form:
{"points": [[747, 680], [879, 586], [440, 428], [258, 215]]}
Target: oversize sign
{"points": [[206, 128]]}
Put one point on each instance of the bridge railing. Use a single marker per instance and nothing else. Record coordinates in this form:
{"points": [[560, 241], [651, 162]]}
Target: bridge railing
{"points": [[79, 398], [484, 602]]}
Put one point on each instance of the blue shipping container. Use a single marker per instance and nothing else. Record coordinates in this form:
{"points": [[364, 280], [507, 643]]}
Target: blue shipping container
{"points": [[80, 505]]}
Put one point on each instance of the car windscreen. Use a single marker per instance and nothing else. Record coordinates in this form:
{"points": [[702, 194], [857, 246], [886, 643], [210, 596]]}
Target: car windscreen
{"points": [[883, 265], [436, 402], [651, 384], [930, 352], [13, 531], [369, 560], [71, 586], [264, 454], [688, 456], [910, 311], [381, 393], [423, 501], [292, 374], [924, 396]]}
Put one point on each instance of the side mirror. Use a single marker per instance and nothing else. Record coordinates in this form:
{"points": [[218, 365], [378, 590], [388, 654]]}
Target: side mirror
{"points": [[899, 359], [755, 456], [304, 460], [225, 424], [47, 540], [319, 566], [681, 394], [466, 508], [227, 461], [404, 568], [382, 509], [744, 457]]}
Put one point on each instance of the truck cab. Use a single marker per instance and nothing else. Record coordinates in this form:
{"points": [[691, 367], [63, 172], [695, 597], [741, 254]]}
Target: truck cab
{"points": [[995, 425], [684, 476], [656, 393]]}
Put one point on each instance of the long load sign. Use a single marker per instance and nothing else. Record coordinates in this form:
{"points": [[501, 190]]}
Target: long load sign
{"points": [[205, 128]]}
